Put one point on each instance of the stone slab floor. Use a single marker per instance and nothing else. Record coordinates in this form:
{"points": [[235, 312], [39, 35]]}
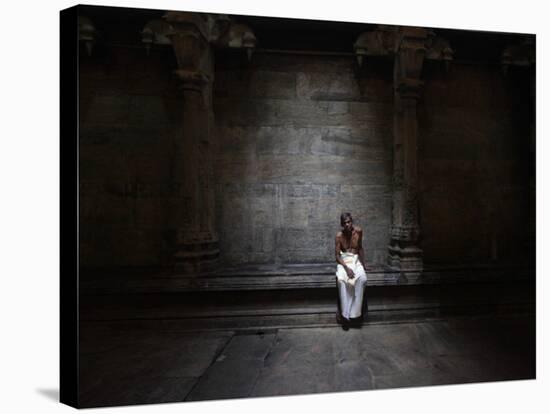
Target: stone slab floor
{"points": [[121, 366]]}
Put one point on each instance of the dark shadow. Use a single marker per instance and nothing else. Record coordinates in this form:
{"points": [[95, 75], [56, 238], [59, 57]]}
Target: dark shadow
{"points": [[51, 393]]}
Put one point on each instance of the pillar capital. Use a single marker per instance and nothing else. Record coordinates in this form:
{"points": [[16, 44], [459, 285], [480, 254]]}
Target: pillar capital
{"points": [[187, 24], [519, 54], [409, 57], [438, 48], [378, 42], [188, 33], [87, 33]]}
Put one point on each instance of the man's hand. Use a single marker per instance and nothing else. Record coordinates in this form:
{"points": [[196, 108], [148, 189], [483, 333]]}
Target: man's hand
{"points": [[350, 273]]}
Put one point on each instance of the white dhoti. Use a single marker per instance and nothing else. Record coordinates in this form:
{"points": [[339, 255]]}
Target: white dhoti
{"points": [[351, 290]]}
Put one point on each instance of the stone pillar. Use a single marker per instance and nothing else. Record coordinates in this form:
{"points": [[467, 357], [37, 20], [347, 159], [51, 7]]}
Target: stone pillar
{"points": [[404, 252], [197, 247]]}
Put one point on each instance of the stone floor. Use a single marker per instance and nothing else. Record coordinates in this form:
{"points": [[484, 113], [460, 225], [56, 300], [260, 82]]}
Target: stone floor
{"points": [[131, 366]]}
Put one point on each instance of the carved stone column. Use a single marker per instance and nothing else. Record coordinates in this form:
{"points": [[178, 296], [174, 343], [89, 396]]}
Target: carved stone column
{"points": [[197, 248], [404, 252]]}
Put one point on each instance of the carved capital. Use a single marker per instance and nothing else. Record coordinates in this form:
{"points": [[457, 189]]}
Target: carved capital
{"points": [[188, 36], [184, 23], [218, 24], [519, 54], [379, 42], [239, 36], [438, 48], [87, 33], [414, 43], [156, 32], [410, 52]]}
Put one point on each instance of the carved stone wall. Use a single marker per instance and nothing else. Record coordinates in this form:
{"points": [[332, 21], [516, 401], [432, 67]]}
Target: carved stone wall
{"points": [[296, 140], [301, 139]]}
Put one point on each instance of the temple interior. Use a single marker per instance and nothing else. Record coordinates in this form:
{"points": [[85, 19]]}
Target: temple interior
{"points": [[216, 154]]}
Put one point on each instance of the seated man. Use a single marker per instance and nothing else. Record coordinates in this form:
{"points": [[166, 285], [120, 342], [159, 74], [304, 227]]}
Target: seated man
{"points": [[350, 271]]}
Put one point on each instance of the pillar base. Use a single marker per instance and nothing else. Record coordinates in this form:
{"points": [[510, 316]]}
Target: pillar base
{"points": [[197, 259], [405, 258], [403, 251]]}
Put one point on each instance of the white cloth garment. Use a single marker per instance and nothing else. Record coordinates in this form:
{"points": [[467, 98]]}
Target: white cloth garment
{"points": [[351, 290]]}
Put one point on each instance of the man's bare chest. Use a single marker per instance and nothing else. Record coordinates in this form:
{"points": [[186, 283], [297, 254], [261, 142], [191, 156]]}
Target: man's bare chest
{"points": [[349, 242]]}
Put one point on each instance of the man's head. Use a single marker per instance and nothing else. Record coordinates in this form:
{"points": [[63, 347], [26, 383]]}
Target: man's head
{"points": [[346, 221]]}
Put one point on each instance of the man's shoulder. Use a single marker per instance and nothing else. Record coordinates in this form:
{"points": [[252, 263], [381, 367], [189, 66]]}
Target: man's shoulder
{"points": [[339, 234], [358, 229]]}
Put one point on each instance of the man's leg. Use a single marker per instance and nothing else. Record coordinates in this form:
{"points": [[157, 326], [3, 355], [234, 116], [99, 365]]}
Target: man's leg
{"points": [[346, 296], [339, 318], [357, 298], [343, 295]]}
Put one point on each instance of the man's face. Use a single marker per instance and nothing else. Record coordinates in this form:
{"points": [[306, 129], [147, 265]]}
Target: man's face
{"points": [[348, 224]]}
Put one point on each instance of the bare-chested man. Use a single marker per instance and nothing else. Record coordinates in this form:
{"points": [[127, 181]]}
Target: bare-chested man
{"points": [[350, 270]]}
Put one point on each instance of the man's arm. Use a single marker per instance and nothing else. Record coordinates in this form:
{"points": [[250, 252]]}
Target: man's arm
{"points": [[339, 259], [337, 251], [361, 251]]}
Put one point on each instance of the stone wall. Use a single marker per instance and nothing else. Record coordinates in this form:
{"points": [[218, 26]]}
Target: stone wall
{"points": [[127, 115], [476, 166], [298, 139], [301, 139]]}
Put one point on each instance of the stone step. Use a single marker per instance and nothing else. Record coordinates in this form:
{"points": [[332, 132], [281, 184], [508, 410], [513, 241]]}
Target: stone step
{"points": [[248, 310], [314, 317], [290, 277], [285, 300]]}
